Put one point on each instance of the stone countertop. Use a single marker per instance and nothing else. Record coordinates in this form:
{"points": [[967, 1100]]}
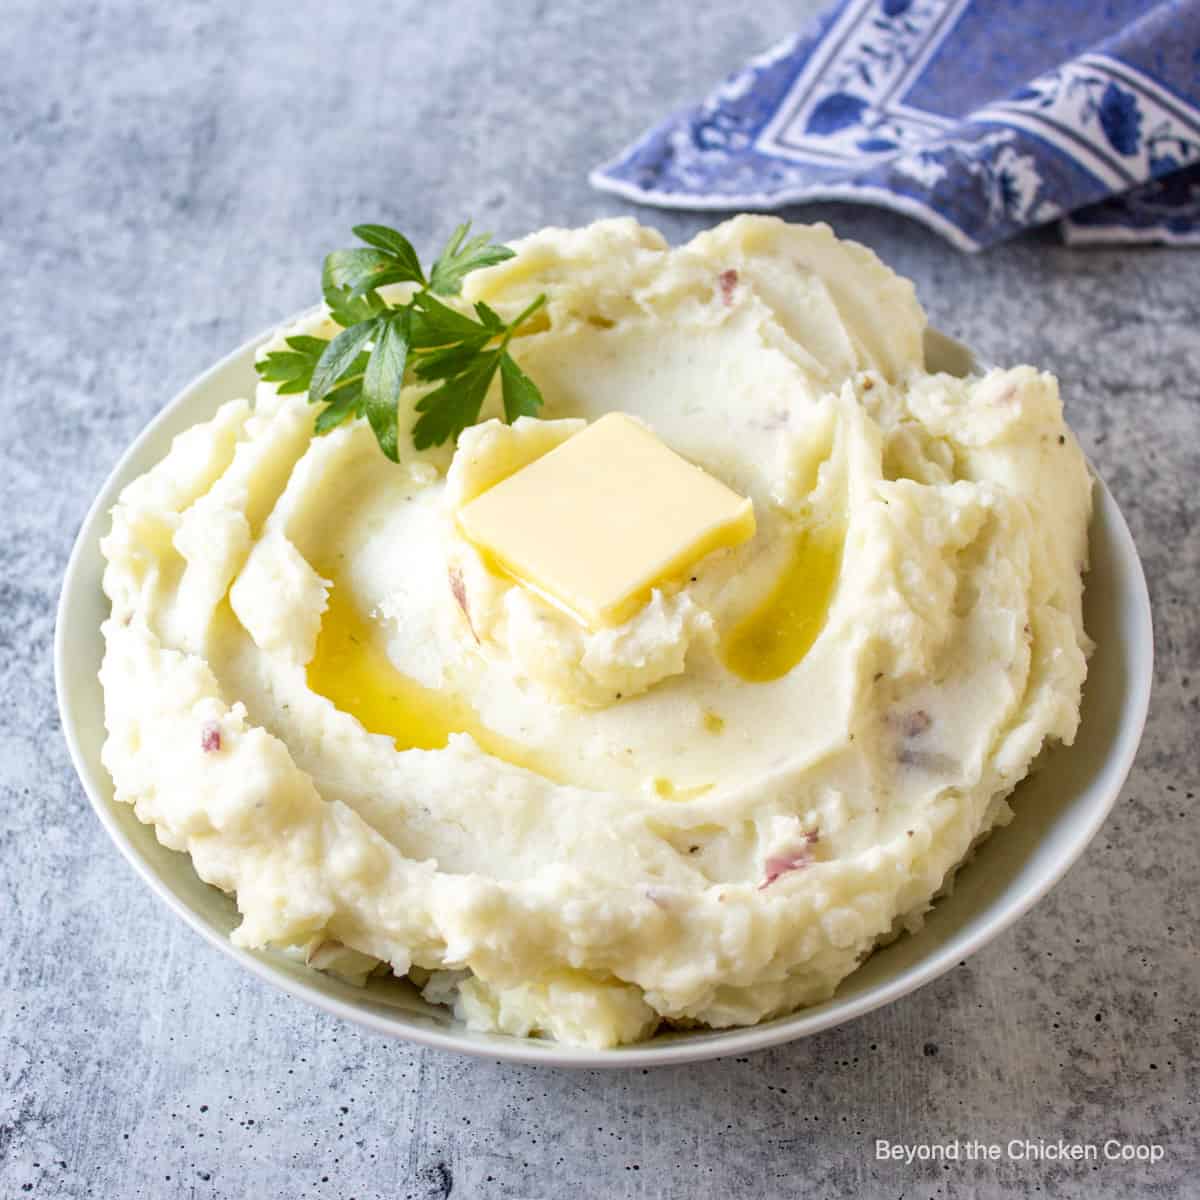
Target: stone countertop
{"points": [[172, 175]]}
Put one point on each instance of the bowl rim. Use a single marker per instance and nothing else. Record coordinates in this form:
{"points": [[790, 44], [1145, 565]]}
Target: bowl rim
{"points": [[706, 1043]]}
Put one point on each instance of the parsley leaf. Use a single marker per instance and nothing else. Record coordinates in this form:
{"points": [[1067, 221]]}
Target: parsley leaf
{"points": [[348, 404], [489, 317], [292, 369], [450, 360], [365, 269], [362, 371], [461, 256], [398, 248], [338, 356], [437, 324], [344, 309], [467, 368], [521, 395], [448, 410], [384, 377]]}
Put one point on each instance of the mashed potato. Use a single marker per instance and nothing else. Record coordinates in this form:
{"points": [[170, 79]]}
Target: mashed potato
{"points": [[392, 755]]}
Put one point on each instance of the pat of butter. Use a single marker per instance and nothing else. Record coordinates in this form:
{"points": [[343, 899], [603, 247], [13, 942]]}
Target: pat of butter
{"points": [[598, 522]]}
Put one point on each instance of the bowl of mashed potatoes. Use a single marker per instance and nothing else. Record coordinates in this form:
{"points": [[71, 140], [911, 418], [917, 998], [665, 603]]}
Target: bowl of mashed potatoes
{"points": [[782, 660]]}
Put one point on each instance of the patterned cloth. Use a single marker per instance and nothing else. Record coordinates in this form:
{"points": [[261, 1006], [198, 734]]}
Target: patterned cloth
{"points": [[980, 118]]}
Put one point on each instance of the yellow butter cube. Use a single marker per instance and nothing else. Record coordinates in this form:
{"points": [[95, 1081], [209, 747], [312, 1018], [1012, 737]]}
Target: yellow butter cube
{"points": [[594, 525]]}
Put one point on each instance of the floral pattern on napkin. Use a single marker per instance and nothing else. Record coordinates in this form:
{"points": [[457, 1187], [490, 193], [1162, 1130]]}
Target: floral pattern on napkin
{"points": [[979, 117]]}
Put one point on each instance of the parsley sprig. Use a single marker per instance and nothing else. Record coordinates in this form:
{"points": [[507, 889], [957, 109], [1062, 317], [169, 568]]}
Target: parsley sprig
{"points": [[361, 371]]}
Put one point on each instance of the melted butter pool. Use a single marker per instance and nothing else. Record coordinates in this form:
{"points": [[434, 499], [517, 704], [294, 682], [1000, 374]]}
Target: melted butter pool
{"points": [[667, 789], [768, 642], [350, 666], [351, 669]]}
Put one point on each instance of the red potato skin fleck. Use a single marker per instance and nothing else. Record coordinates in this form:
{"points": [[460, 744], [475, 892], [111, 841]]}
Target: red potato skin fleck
{"points": [[728, 281], [210, 738], [781, 864], [911, 724], [459, 591]]}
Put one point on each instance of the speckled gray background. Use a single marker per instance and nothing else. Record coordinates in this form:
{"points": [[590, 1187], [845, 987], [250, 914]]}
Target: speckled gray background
{"points": [[171, 175]]}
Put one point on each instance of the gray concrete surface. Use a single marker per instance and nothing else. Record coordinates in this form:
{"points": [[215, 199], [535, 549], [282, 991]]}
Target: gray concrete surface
{"points": [[171, 175]]}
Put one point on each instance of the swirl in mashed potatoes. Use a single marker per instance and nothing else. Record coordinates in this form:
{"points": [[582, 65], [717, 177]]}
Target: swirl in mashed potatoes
{"points": [[393, 755]]}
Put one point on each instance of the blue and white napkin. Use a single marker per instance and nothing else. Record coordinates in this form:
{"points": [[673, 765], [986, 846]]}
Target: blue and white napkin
{"points": [[980, 118]]}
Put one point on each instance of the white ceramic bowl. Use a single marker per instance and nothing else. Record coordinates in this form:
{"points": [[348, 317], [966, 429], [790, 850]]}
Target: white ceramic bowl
{"points": [[1059, 809]]}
